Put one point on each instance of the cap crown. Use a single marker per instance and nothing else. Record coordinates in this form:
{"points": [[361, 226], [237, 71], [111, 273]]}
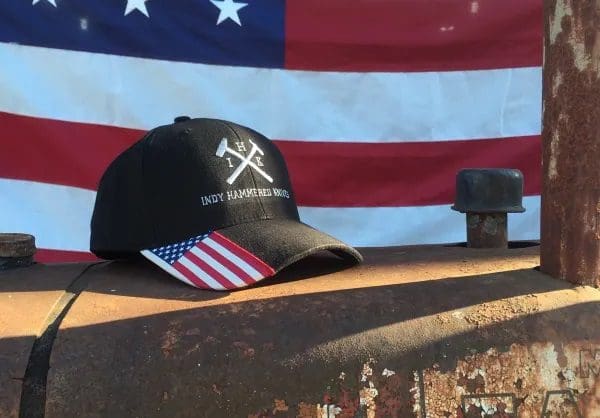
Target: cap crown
{"points": [[188, 178]]}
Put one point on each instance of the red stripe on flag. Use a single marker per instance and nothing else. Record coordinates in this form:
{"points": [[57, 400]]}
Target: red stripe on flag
{"points": [[52, 151], [379, 174], [263, 268], [226, 263], [214, 274], [405, 174], [44, 255], [412, 35], [188, 274]]}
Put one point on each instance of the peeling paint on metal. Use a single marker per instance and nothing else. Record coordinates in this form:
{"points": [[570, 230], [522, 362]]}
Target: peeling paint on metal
{"points": [[328, 411], [556, 82], [490, 225], [540, 380], [529, 376], [367, 399], [571, 120], [368, 392], [367, 371], [554, 155], [388, 373], [561, 10]]}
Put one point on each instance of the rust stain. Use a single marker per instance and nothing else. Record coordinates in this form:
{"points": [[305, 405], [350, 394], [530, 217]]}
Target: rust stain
{"points": [[571, 121], [592, 408], [280, 406], [245, 349], [169, 342], [306, 410]]}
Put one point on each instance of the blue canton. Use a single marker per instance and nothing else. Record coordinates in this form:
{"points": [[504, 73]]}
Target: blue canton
{"points": [[172, 253], [184, 30]]}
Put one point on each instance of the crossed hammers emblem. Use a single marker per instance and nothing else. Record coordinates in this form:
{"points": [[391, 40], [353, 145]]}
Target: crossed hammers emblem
{"points": [[244, 161]]}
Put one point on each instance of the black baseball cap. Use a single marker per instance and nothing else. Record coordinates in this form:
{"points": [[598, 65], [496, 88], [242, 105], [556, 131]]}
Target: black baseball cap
{"points": [[207, 200]]}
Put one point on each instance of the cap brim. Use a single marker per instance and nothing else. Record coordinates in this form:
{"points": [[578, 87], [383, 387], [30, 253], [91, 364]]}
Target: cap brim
{"points": [[242, 255]]}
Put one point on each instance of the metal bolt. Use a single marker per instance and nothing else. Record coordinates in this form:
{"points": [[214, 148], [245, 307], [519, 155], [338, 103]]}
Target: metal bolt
{"points": [[487, 195], [16, 250]]}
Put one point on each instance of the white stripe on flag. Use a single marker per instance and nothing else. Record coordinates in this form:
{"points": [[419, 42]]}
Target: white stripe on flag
{"points": [[234, 258], [344, 106], [165, 266], [201, 274], [436, 224], [231, 276], [59, 217]]}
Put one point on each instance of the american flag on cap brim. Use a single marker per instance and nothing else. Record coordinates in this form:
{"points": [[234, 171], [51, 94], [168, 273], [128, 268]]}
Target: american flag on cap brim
{"points": [[210, 261]]}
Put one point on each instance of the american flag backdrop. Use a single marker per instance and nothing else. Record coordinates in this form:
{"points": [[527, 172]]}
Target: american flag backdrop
{"points": [[375, 104]]}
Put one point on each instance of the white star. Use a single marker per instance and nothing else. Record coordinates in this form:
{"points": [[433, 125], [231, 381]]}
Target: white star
{"points": [[228, 9], [52, 2], [136, 5]]}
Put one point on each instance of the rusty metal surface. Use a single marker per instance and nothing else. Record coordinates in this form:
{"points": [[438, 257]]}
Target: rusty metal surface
{"points": [[571, 144], [413, 332], [16, 250], [27, 295], [487, 230]]}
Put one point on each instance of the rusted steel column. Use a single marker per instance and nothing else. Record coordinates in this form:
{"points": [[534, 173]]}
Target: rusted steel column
{"points": [[16, 250], [486, 195], [570, 212]]}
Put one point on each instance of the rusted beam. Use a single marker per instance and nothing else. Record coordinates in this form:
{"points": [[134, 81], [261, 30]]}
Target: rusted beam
{"points": [[413, 332], [570, 212]]}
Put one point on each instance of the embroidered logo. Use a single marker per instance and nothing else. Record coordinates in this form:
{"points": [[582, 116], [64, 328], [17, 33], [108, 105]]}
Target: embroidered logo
{"points": [[252, 160]]}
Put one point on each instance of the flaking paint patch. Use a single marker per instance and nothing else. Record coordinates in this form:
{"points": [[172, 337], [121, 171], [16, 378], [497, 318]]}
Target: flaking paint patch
{"points": [[582, 58], [367, 371], [552, 170], [561, 10], [548, 357], [367, 399], [368, 392], [416, 395], [556, 82], [517, 381], [328, 411], [490, 225], [387, 373]]}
